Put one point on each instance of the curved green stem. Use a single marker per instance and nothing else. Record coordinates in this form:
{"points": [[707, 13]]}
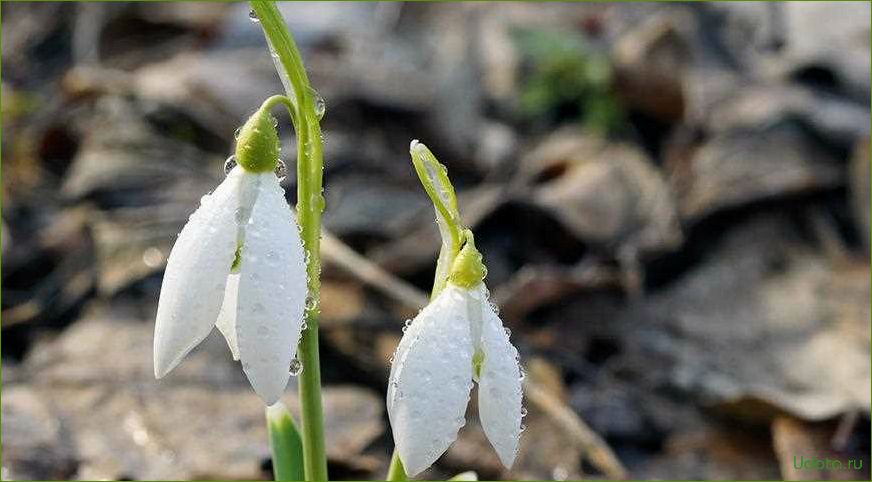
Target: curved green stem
{"points": [[309, 206]]}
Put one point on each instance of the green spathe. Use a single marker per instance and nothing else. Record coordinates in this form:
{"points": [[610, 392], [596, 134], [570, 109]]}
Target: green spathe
{"points": [[257, 146]]}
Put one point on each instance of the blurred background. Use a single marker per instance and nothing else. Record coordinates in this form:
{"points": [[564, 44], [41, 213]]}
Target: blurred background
{"points": [[672, 200]]}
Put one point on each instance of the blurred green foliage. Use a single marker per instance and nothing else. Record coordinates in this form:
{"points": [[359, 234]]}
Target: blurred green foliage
{"points": [[563, 77]]}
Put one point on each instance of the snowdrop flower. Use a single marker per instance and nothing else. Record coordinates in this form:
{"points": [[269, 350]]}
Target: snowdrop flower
{"points": [[238, 264], [457, 339]]}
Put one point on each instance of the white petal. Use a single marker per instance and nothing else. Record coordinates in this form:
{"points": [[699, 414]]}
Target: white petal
{"points": [[499, 392], [194, 281], [430, 381], [272, 292], [227, 316]]}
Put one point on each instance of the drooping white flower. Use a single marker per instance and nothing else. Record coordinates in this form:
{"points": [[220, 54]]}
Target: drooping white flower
{"points": [[456, 339], [238, 264]]}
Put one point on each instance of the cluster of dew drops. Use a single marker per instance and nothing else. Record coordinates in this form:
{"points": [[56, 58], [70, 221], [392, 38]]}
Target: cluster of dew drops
{"points": [[508, 331]]}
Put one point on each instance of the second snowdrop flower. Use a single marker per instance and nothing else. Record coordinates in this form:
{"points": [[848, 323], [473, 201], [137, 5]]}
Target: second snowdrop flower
{"points": [[238, 264], [456, 340]]}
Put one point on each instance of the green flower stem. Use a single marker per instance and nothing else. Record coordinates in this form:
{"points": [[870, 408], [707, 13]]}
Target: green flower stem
{"points": [[310, 203], [434, 179]]}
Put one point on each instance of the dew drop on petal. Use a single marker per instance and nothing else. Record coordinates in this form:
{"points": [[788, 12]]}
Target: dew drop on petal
{"points": [[523, 412], [296, 367], [240, 216], [508, 331], [311, 302], [281, 170], [236, 134], [523, 427], [252, 15], [229, 164]]}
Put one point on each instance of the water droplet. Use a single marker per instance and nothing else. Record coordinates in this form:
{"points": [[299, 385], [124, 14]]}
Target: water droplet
{"points": [[523, 427], [240, 216], [523, 412], [304, 326], [281, 170], [508, 331], [296, 367], [318, 103], [523, 375], [311, 303], [252, 15], [236, 134], [229, 164], [391, 359], [496, 309], [318, 202]]}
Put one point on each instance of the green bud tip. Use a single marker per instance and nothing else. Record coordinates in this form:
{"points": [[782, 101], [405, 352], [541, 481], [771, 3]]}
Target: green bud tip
{"points": [[257, 146], [467, 270]]}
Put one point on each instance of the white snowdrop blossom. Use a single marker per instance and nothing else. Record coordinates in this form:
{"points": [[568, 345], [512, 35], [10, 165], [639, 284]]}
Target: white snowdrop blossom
{"points": [[457, 339], [238, 264]]}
